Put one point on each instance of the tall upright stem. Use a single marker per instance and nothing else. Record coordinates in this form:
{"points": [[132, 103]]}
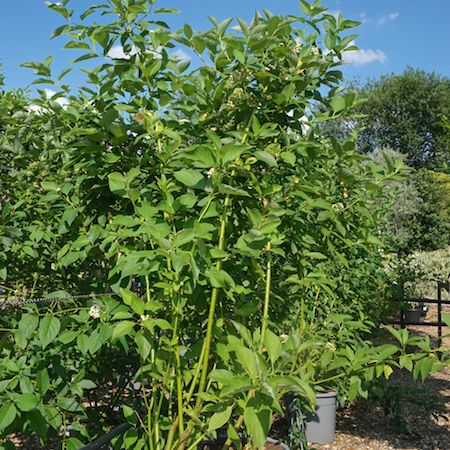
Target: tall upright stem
{"points": [[179, 377], [212, 309], [206, 349], [147, 288], [265, 318]]}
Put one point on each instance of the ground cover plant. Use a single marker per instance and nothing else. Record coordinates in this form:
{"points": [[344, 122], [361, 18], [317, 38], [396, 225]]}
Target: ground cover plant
{"points": [[253, 237]]}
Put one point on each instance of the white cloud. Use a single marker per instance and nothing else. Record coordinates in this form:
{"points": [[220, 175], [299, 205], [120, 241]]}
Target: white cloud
{"points": [[36, 108], [181, 55], [61, 100], [364, 19], [363, 56], [388, 18], [117, 52]]}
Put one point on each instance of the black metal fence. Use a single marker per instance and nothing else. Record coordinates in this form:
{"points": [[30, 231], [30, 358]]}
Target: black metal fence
{"points": [[402, 299]]}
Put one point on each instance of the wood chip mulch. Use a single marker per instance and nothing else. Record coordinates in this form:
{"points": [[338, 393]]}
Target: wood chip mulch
{"points": [[366, 426]]}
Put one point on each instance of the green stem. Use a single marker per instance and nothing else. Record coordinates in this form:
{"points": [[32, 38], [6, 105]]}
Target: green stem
{"points": [[196, 375], [212, 309], [147, 288], [171, 435], [178, 374], [33, 289], [206, 349], [265, 318], [302, 315], [335, 377], [179, 392], [237, 426]]}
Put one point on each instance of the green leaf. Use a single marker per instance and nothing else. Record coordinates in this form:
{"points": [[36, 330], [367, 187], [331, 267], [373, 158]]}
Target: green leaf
{"points": [[59, 8], [133, 301], [446, 318], [219, 419], [68, 336], [117, 184], [26, 402], [266, 157], [52, 416], [273, 345], [189, 177], [304, 7], [315, 255], [406, 362], [86, 384], [330, 40], [219, 278], [69, 404], [337, 104], [122, 329], [8, 413], [289, 157], [73, 444], [258, 424], [143, 346], [27, 325], [77, 45], [167, 11], [188, 31], [42, 381], [221, 376], [248, 361], [83, 343], [48, 329], [386, 351], [129, 414]]}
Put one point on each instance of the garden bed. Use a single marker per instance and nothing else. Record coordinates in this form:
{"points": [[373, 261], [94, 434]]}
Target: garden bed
{"points": [[362, 427], [367, 427]]}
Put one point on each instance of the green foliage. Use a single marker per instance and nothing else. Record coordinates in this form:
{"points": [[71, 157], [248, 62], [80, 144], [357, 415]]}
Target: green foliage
{"points": [[433, 218], [420, 213], [424, 269], [404, 112], [241, 223]]}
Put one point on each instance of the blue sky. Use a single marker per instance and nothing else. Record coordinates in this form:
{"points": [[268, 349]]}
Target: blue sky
{"points": [[393, 34]]}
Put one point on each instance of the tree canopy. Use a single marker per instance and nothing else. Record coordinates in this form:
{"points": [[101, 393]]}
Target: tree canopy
{"points": [[406, 113]]}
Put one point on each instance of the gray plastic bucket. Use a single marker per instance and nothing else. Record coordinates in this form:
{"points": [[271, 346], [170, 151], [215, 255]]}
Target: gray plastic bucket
{"points": [[413, 315], [321, 427]]}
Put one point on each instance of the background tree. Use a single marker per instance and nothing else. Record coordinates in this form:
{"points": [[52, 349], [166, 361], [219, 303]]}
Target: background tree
{"points": [[405, 112]]}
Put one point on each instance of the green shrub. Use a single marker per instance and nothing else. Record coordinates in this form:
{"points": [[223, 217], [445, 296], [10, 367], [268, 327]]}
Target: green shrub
{"points": [[205, 186]]}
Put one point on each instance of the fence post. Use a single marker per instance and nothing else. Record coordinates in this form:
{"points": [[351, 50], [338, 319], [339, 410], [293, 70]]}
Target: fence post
{"points": [[401, 293], [439, 298]]}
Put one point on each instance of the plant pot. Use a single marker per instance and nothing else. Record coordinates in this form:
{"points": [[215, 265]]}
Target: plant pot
{"points": [[321, 427], [413, 315]]}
